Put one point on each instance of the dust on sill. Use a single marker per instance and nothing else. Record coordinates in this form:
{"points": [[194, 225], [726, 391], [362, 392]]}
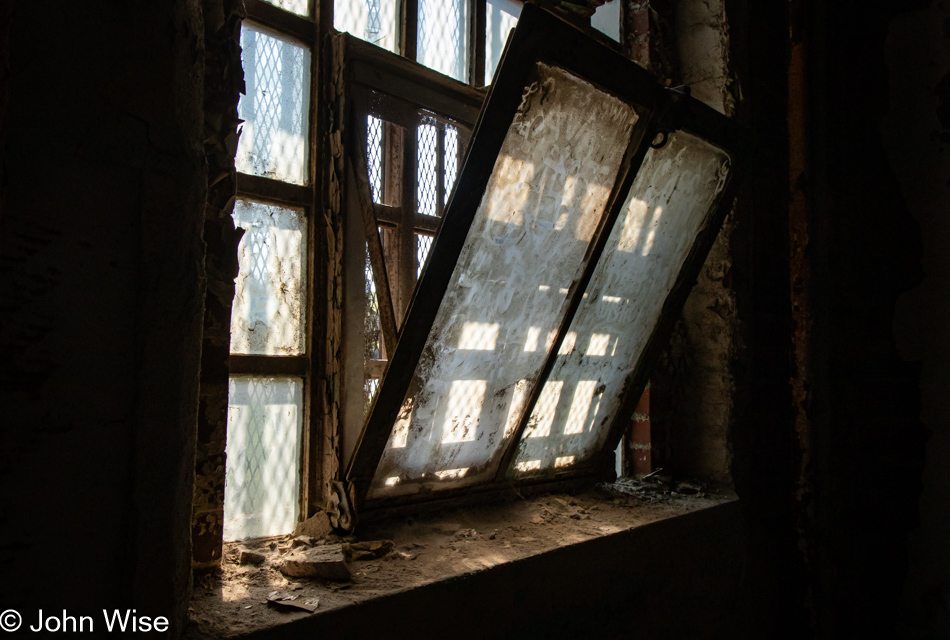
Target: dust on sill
{"points": [[232, 600]]}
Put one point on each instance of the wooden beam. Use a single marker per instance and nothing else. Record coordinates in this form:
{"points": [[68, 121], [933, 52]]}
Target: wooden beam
{"points": [[364, 200], [270, 15], [273, 191], [245, 365]]}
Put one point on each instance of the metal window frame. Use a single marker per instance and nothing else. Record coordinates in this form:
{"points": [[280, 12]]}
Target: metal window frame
{"points": [[542, 37]]}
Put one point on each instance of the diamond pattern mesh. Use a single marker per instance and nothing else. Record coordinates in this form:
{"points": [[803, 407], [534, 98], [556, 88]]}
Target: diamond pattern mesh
{"points": [[374, 153], [451, 160], [442, 41], [374, 344], [427, 176], [423, 244], [295, 6], [263, 448], [273, 140]]}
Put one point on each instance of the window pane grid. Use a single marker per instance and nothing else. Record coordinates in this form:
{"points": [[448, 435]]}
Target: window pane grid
{"points": [[443, 36], [423, 244], [427, 168], [374, 147]]}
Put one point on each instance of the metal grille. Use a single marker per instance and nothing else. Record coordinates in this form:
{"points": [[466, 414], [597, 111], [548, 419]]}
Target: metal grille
{"points": [[427, 169], [451, 160], [423, 244], [263, 444], [374, 152], [274, 134]]}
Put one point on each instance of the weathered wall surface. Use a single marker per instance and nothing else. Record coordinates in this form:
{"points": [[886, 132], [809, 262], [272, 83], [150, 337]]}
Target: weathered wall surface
{"points": [[696, 380], [101, 305], [916, 136]]}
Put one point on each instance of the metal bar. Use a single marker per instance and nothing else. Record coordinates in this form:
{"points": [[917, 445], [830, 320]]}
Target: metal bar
{"points": [[357, 154], [637, 148], [273, 191], [242, 365], [270, 15]]}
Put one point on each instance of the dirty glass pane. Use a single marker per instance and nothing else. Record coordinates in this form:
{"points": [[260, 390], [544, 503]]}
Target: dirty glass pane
{"points": [[427, 144], [507, 294], [276, 109], [607, 19], [423, 244], [660, 220], [370, 20], [501, 16], [267, 317], [374, 160], [295, 6], [373, 349], [262, 481], [443, 37]]}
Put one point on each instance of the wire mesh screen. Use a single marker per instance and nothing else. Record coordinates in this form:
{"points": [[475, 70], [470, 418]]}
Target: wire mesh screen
{"points": [[262, 480], [374, 153], [423, 244], [267, 317], [443, 36], [370, 20], [275, 110], [300, 7], [427, 176]]}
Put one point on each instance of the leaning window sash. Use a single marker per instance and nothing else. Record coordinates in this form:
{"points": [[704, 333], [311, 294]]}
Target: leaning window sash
{"points": [[481, 392]]}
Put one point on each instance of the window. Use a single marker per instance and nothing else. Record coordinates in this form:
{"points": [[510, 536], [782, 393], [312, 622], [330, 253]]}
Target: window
{"points": [[372, 365], [586, 203]]}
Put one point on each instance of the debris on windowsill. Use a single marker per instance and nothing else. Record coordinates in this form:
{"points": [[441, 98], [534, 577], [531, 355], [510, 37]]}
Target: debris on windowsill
{"points": [[405, 552], [356, 551], [250, 557], [283, 601], [324, 561]]}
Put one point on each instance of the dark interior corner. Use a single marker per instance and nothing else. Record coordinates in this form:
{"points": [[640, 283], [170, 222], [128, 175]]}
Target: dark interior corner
{"points": [[808, 370]]}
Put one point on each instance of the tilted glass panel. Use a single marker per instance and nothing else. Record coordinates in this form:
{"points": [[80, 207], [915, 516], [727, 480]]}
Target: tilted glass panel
{"points": [[370, 20], [262, 482], [501, 16], [276, 109], [507, 294], [267, 317], [300, 7], [668, 205], [443, 37]]}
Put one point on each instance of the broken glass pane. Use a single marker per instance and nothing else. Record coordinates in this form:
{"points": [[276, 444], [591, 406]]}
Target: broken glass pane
{"points": [[443, 37], [370, 20], [501, 16], [508, 291], [667, 207], [276, 109], [262, 481], [267, 317], [606, 19]]}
